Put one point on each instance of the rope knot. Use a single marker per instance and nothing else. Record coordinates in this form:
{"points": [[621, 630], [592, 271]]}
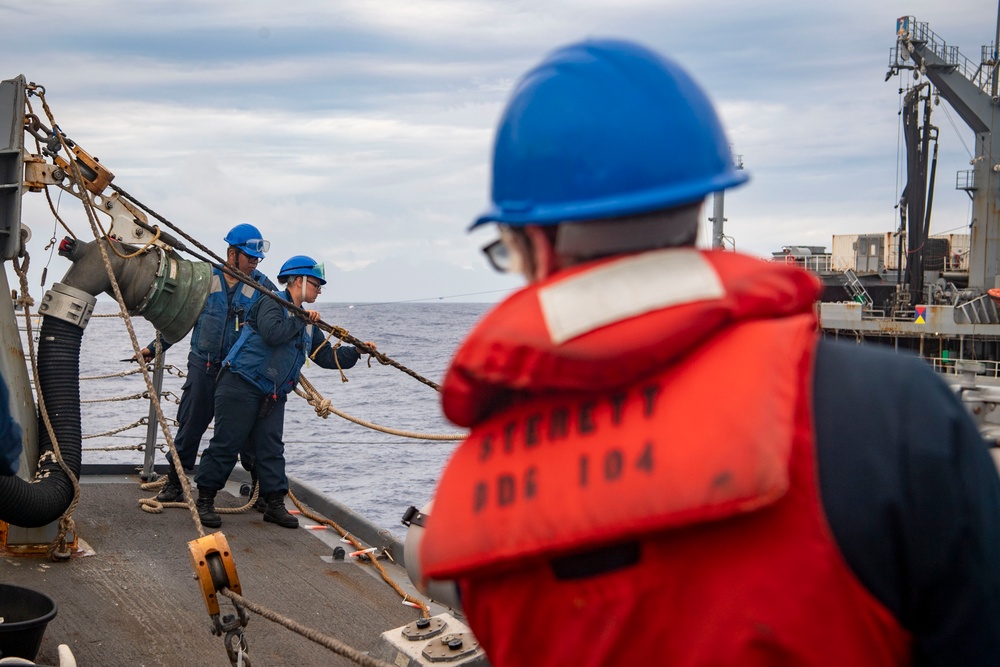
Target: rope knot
{"points": [[323, 407]]}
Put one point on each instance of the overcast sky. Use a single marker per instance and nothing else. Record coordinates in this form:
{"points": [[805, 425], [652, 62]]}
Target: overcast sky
{"points": [[360, 132]]}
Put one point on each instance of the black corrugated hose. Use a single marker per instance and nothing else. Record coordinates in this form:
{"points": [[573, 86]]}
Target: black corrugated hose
{"points": [[43, 501]]}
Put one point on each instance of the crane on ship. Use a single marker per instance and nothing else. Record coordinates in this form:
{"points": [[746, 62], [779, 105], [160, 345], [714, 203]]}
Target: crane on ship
{"points": [[955, 316], [972, 90]]}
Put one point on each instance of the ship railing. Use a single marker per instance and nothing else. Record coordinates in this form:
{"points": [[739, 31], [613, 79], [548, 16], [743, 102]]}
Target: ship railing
{"points": [[966, 180], [952, 366], [872, 313], [988, 370], [904, 315], [148, 445], [821, 264], [979, 75], [818, 263]]}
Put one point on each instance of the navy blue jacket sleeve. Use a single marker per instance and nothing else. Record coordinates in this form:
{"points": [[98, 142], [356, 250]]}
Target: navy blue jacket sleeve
{"points": [[163, 344], [273, 323], [912, 497], [346, 355], [10, 435]]}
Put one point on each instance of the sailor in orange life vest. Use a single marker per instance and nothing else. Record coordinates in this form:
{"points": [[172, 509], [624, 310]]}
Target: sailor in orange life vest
{"points": [[667, 464]]}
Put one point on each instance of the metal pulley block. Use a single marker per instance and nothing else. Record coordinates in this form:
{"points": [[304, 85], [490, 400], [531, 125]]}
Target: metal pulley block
{"points": [[214, 569]]}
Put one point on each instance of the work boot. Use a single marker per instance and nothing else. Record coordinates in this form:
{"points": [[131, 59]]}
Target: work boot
{"points": [[172, 491], [275, 511], [206, 508]]}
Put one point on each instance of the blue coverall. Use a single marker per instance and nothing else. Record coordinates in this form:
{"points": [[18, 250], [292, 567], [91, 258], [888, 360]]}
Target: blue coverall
{"points": [[217, 329], [250, 406], [10, 435]]}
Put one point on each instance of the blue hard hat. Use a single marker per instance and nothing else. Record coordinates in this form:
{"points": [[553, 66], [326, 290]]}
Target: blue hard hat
{"points": [[603, 129], [247, 238], [303, 265]]}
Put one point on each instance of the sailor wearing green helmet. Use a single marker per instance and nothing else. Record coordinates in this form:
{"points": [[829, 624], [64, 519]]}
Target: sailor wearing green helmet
{"points": [[260, 370]]}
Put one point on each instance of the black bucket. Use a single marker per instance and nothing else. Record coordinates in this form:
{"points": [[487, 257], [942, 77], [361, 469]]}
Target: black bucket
{"points": [[25, 614]]}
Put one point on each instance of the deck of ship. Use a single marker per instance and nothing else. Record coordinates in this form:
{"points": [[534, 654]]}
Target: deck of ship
{"points": [[135, 602]]}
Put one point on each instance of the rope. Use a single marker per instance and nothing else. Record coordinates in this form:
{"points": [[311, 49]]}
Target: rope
{"points": [[324, 409], [220, 264], [120, 448], [132, 397], [334, 645], [102, 247], [148, 244], [112, 399], [120, 374], [154, 506], [140, 422], [151, 505], [336, 359], [425, 611]]}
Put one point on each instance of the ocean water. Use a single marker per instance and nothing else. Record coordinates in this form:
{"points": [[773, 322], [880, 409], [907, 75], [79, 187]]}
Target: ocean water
{"points": [[376, 474]]}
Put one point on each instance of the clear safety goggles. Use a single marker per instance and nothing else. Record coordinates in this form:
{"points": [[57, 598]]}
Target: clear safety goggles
{"points": [[318, 271], [256, 245]]}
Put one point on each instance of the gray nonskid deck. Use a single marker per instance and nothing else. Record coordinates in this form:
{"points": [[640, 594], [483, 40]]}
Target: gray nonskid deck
{"points": [[135, 602]]}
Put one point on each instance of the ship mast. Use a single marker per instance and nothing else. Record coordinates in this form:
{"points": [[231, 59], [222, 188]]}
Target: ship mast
{"points": [[718, 218]]}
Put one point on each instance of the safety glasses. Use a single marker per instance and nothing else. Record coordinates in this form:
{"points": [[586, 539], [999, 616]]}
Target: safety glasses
{"points": [[505, 254], [499, 255], [251, 259], [318, 286]]}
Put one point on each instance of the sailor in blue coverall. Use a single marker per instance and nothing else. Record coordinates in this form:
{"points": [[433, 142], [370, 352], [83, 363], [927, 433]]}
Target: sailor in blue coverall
{"points": [[254, 382], [217, 329], [10, 434]]}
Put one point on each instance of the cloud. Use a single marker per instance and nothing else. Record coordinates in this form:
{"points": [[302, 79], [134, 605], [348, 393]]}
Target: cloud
{"points": [[362, 132]]}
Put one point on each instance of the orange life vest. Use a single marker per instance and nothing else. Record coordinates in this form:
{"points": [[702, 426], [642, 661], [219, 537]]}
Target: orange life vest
{"points": [[667, 418]]}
